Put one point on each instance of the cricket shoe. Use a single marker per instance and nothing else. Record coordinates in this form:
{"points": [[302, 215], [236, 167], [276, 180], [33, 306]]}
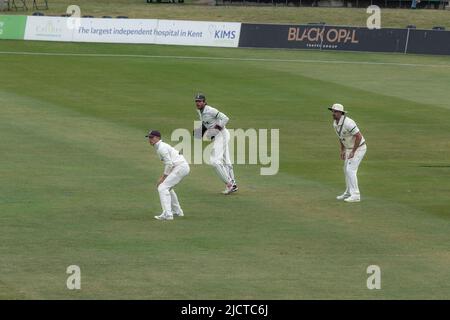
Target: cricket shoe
{"points": [[179, 214], [353, 199], [343, 196], [164, 216], [230, 189]]}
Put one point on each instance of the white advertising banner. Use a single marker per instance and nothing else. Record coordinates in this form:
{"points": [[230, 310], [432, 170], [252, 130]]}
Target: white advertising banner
{"points": [[115, 30], [174, 32], [48, 29], [198, 33]]}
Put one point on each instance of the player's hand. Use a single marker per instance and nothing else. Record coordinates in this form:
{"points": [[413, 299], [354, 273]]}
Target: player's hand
{"points": [[161, 180], [351, 155], [342, 155]]}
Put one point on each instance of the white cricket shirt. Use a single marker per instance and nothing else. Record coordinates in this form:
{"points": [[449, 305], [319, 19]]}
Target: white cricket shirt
{"points": [[346, 130], [211, 117], [169, 156]]}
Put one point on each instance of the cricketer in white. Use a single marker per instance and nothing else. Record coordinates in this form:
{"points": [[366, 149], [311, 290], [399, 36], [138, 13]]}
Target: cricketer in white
{"points": [[214, 123], [175, 169], [353, 149]]}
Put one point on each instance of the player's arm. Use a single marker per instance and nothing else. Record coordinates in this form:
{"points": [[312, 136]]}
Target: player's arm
{"points": [[222, 120], [358, 138], [168, 165], [353, 129], [342, 150]]}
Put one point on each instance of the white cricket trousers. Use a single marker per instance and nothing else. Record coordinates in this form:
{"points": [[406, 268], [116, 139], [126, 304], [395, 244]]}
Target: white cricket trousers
{"points": [[351, 170], [167, 196], [220, 157]]}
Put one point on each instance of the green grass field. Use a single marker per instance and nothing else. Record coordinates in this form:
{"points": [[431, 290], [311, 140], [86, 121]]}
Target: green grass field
{"points": [[197, 10], [78, 177]]}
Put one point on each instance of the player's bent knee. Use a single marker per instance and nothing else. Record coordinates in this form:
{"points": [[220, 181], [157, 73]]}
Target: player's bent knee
{"points": [[163, 188]]}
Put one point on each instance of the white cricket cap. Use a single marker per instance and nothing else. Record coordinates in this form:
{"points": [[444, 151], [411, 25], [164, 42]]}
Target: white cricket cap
{"points": [[337, 107]]}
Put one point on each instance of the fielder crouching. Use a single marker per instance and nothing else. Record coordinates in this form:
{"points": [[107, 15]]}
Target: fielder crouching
{"points": [[175, 169], [353, 149]]}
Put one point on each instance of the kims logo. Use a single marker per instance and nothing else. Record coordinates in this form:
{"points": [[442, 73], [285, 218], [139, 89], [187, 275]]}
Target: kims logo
{"points": [[220, 32], [224, 34]]}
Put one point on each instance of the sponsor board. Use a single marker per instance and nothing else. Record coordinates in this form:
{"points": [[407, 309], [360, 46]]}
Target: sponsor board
{"points": [[12, 27], [429, 42], [115, 31], [48, 29], [215, 34], [224, 34], [322, 37], [174, 32]]}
